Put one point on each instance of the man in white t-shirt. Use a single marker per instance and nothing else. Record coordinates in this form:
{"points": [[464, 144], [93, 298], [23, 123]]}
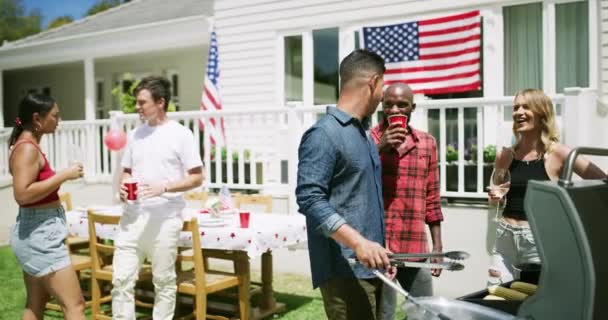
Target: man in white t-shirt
{"points": [[162, 158]]}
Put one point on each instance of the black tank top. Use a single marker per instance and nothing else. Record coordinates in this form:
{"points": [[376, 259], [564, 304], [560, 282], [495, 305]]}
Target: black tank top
{"points": [[521, 173]]}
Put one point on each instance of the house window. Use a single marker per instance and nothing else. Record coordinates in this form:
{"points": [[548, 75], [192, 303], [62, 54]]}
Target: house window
{"points": [[326, 64], [99, 92], [571, 45], [173, 77], [175, 84], [293, 68], [313, 54], [100, 107], [523, 47]]}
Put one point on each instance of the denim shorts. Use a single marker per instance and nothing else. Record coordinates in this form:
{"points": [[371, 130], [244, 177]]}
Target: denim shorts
{"points": [[38, 240], [514, 246]]}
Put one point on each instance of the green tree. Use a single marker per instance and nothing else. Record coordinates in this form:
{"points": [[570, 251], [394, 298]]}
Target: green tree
{"points": [[103, 5], [15, 23], [59, 21]]}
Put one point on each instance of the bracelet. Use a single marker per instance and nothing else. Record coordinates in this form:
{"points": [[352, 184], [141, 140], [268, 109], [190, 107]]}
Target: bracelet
{"points": [[165, 189]]}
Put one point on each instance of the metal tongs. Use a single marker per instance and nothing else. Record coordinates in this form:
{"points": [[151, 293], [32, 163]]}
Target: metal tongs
{"points": [[396, 287], [402, 260], [407, 295]]}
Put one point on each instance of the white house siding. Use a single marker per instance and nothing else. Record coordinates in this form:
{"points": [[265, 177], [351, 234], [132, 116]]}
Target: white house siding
{"points": [[249, 36], [604, 46], [601, 117], [251, 58], [66, 82]]}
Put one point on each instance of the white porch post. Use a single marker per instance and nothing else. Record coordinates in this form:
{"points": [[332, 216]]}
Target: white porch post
{"points": [[584, 124], [549, 55], [594, 16], [294, 133], [89, 114], [571, 134], [89, 89], [1, 99], [308, 81], [493, 55]]}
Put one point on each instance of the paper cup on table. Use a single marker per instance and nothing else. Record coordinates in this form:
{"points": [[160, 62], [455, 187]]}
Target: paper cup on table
{"points": [[398, 118], [244, 218]]}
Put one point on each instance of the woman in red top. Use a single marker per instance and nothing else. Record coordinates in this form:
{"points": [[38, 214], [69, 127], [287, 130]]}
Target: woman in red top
{"points": [[38, 236]]}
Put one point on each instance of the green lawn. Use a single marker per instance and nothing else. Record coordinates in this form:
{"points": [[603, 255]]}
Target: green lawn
{"points": [[295, 291]]}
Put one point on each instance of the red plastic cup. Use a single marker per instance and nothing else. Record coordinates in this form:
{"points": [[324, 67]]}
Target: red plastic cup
{"points": [[398, 118], [131, 185], [244, 218]]}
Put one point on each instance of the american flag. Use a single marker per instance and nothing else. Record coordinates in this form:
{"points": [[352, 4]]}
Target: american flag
{"points": [[433, 56], [225, 198], [211, 93]]}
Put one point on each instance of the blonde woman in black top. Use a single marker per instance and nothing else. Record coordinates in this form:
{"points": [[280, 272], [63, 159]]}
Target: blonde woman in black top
{"points": [[535, 155]]}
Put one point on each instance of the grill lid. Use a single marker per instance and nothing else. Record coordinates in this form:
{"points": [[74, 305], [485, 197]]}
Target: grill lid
{"points": [[569, 221]]}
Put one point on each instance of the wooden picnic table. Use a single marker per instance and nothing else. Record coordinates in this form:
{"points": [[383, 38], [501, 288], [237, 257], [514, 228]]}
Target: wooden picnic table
{"points": [[266, 232]]}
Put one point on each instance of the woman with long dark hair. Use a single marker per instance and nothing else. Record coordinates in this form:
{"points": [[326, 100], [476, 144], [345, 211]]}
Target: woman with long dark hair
{"points": [[38, 236], [535, 155]]}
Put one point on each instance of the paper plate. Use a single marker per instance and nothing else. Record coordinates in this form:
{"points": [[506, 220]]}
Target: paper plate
{"points": [[212, 223]]}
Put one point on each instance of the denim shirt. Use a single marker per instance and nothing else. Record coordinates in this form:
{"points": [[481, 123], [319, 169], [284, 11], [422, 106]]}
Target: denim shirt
{"points": [[339, 181]]}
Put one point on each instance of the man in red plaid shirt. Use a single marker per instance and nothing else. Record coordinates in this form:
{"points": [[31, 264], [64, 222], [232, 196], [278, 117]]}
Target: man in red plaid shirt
{"points": [[410, 185]]}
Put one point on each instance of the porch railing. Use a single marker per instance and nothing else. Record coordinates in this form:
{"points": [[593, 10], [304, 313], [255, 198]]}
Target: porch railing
{"points": [[261, 153]]}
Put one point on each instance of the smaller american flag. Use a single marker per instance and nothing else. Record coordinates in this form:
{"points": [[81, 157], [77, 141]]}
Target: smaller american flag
{"points": [[211, 93], [440, 55], [225, 198]]}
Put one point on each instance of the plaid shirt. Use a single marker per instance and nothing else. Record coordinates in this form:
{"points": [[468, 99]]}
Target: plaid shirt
{"points": [[410, 185]]}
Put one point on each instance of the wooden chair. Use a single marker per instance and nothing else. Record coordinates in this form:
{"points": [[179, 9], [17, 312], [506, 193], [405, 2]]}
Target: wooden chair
{"points": [[250, 202], [80, 261], [198, 282], [101, 270], [74, 243], [200, 197], [66, 201], [254, 201]]}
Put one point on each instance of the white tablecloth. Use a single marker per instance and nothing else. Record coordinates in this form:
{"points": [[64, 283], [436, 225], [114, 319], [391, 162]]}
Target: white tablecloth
{"points": [[266, 231]]}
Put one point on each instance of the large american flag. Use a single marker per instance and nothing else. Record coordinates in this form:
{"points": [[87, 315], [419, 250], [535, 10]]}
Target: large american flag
{"points": [[211, 93], [433, 56]]}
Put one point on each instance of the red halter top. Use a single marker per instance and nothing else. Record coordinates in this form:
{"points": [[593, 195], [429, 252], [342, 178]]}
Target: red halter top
{"points": [[45, 173]]}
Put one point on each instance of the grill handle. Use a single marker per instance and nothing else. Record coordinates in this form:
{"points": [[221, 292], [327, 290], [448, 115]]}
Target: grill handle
{"points": [[566, 179]]}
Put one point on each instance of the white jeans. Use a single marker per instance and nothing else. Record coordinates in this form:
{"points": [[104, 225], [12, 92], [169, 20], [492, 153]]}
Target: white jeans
{"points": [[149, 234], [514, 245]]}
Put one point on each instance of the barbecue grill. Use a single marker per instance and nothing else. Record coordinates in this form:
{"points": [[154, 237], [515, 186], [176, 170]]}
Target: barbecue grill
{"points": [[569, 220]]}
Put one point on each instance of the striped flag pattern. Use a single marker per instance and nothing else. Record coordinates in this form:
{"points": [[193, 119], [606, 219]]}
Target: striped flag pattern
{"points": [[433, 56], [211, 95], [225, 198]]}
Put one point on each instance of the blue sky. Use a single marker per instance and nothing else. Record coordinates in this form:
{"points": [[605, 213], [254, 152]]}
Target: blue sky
{"points": [[54, 8]]}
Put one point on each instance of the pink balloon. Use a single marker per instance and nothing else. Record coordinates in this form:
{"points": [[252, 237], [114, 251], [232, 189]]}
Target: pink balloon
{"points": [[115, 139]]}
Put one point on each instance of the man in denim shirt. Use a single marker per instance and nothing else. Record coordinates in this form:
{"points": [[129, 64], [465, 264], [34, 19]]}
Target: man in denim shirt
{"points": [[340, 193]]}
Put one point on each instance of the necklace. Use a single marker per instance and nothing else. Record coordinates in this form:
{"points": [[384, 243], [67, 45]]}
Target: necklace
{"points": [[540, 157]]}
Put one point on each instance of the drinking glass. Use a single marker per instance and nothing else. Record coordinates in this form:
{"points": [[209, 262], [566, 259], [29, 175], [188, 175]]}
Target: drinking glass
{"points": [[500, 181], [75, 155]]}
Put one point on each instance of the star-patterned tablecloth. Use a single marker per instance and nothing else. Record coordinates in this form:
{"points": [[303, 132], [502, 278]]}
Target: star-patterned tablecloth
{"points": [[267, 231]]}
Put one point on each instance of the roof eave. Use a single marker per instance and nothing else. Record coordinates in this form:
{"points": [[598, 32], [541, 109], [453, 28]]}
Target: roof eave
{"points": [[169, 34]]}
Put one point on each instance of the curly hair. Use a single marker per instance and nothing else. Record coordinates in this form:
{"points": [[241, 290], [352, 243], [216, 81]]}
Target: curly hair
{"points": [[542, 107]]}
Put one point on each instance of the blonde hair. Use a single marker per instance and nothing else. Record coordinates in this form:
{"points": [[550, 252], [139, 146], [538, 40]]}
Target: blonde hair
{"points": [[542, 107]]}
